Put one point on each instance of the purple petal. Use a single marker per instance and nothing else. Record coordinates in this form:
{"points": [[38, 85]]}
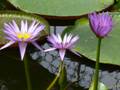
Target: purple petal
{"points": [[74, 39], [11, 27], [50, 49], [23, 26], [52, 41], [11, 38], [101, 23], [105, 32], [72, 42], [69, 38], [37, 46], [55, 38], [7, 45], [37, 30], [7, 28], [22, 48], [62, 53], [55, 41], [7, 32], [15, 26], [59, 38], [32, 39], [26, 26], [33, 27], [64, 39], [94, 21]]}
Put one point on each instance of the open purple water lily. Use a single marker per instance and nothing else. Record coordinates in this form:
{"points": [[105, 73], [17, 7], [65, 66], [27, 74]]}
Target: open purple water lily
{"points": [[22, 35], [101, 23], [57, 42]]}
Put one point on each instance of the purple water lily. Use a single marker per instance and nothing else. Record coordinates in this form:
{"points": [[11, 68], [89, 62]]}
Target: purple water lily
{"points": [[22, 35], [101, 23], [57, 42]]}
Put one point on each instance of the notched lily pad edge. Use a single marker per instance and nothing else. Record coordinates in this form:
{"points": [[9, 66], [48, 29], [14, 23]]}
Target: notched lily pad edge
{"points": [[19, 14]]}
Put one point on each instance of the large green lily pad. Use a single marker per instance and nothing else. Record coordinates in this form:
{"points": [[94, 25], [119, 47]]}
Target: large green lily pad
{"points": [[61, 7], [110, 49], [8, 16]]}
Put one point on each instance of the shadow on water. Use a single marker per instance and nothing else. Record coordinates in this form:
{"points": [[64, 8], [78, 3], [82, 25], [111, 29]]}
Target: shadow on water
{"points": [[12, 75]]}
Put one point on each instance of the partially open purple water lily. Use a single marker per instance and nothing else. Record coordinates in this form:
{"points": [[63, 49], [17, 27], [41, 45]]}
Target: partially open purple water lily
{"points": [[23, 34], [101, 23], [57, 42]]}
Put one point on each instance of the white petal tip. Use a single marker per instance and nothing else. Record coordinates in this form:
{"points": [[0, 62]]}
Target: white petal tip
{"points": [[50, 49]]}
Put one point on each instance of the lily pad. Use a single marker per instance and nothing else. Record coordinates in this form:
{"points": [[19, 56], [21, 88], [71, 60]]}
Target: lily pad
{"points": [[110, 48], [8, 16], [61, 7]]}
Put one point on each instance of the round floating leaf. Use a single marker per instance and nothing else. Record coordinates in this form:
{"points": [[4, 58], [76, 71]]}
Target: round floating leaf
{"points": [[110, 49], [61, 7], [8, 16]]}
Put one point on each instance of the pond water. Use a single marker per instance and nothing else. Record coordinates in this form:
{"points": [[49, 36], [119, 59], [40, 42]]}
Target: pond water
{"points": [[44, 66], [79, 69]]}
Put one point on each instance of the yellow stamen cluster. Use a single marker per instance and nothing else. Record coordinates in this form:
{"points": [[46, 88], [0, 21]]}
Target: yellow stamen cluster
{"points": [[23, 36]]}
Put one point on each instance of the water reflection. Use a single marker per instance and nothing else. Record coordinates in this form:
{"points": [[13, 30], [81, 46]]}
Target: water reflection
{"points": [[79, 70]]}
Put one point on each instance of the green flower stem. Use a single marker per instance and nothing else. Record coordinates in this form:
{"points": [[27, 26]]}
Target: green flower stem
{"points": [[27, 73], [56, 78], [96, 77]]}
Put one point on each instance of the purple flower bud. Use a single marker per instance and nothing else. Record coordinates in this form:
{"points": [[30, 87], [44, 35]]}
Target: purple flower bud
{"points": [[101, 24]]}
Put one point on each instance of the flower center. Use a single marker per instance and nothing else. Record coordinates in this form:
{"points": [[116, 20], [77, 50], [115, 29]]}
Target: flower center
{"points": [[23, 35]]}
